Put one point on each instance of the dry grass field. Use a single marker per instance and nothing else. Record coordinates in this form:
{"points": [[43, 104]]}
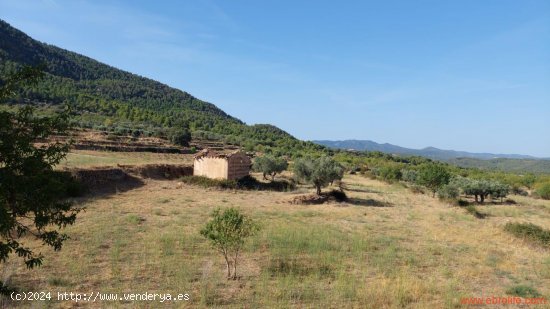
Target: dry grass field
{"points": [[91, 158], [386, 248]]}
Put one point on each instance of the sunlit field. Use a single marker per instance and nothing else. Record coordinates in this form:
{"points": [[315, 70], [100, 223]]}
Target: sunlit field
{"points": [[386, 248]]}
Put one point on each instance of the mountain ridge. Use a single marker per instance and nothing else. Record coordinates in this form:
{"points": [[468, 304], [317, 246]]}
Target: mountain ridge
{"points": [[429, 152]]}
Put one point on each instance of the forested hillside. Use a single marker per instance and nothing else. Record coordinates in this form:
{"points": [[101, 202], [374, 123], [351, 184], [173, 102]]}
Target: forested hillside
{"points": [[505, 165], [107, 98]]}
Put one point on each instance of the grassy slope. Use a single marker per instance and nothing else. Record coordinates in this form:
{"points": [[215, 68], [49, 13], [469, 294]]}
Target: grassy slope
{"points": [[418, 252]]}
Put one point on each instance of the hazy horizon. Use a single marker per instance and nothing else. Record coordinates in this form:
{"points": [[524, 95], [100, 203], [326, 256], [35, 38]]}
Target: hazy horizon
{"points": [[465, 76]]}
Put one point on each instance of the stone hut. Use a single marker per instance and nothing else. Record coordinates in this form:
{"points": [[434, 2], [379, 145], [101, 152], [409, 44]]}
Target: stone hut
{"points": [[211, 164]]}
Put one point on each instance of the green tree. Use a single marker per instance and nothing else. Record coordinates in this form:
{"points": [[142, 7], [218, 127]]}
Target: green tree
{"points": [[529, 180], [32, 194], [482, 188], [319, 172], [390, 173], [433, 176], [180, 136], [227, 232], [269, 165], [449, 191]]}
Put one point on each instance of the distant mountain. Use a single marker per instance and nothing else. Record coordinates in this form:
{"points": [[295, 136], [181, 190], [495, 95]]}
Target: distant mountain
{"points": [[518, 166], [428, 152]]}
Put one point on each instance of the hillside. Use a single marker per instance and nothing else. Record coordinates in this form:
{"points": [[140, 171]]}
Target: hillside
{"points": [[107, 98], [505, 165]]}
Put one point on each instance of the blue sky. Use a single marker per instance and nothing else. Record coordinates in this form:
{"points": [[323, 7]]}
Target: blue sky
{"points": [[469, 75]]}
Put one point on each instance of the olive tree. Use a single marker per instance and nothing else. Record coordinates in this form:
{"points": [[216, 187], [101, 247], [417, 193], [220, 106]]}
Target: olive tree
{"points": [[482, 188], [227, 232], [269, 165], [319, 172]]}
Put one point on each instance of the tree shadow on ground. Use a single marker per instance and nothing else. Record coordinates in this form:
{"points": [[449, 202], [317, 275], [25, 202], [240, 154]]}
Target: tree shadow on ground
{"points": [[368, 202], [105, 187], [362, 190]]}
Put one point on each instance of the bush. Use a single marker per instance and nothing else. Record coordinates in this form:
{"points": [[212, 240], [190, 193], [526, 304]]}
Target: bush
{"points": [[543, 190], [227, 232], [518, 191], [525, 291], [180, 136], [209, 182], [245, 183], [529, 231], [433, 176], [390, 173], [448, 192], [409, 175]]}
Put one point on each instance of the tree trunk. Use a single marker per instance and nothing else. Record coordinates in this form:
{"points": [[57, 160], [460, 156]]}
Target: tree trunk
{"points": [[235, 265], [228, 265], [482, 198], [265, 177], [476, 197], [318, 188]]}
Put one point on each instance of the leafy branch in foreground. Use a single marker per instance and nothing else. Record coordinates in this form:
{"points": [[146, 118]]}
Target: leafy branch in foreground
{"points": [[32, 195]]}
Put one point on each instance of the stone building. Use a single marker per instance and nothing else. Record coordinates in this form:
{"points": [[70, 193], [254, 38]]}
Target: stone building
{"points": [[216, 165]]}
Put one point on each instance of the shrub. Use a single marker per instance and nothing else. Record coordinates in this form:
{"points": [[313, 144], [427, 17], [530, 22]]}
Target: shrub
{"points": [[433, 176], [180, 136], [543, 190], [390, 173], [448, 192], [251, 183], [209, 182], [529, 231], [245, 183], [528, 180], [525, 291], [518, 191], [227, 232], [409, 175]]}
